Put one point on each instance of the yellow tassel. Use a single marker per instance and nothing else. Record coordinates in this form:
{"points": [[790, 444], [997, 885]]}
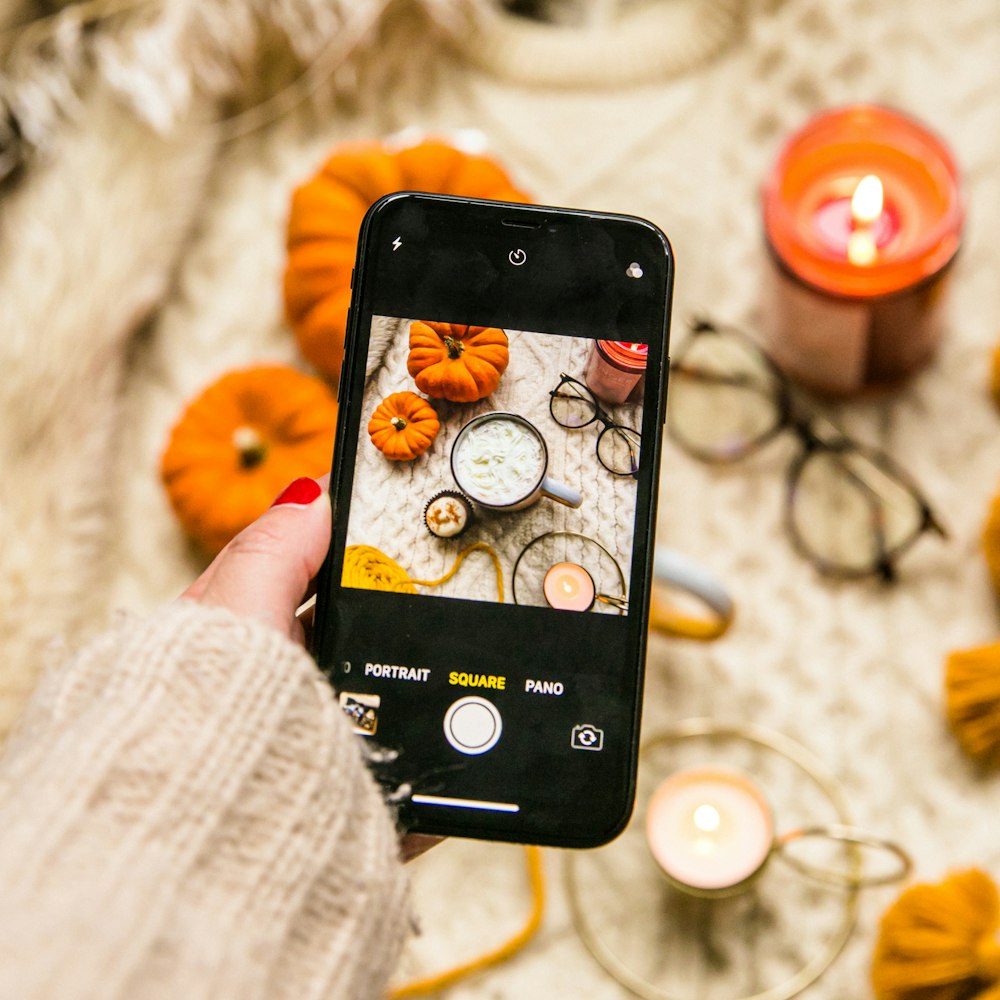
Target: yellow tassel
{"points": [[995, 376], [972, 698], [939, 942], [991, 542]]}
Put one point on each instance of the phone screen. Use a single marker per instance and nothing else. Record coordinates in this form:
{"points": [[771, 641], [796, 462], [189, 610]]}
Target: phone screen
{"points": [[481, 613]]}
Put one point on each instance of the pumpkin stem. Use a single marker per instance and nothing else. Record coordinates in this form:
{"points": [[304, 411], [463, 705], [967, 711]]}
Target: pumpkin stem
{"points": [[250, 447], [455, 348], [398, 422]]}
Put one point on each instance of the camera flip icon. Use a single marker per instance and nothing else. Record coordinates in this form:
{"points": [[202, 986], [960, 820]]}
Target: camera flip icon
{"points": [[587, 737]]}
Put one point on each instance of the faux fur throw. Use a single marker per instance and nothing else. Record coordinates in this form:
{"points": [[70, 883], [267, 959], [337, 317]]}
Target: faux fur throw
{"points": [[117, 103]]}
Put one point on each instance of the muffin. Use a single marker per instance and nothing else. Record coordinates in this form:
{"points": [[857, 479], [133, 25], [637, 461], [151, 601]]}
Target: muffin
{"points": [[447, 514]]}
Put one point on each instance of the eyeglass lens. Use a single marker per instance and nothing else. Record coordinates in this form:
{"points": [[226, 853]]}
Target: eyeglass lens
{"points": [[572, 405], [849, 513], [723, 398]]}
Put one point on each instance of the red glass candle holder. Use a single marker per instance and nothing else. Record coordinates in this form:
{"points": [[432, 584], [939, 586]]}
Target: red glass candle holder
{"points": [[840, 323]]}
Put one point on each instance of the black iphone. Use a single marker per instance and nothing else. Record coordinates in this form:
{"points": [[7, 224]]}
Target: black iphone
{"points": [[482, 611]]}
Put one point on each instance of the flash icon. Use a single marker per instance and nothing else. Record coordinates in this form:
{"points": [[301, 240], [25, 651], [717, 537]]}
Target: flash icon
{"points": [[396, 244], [634, 270]]}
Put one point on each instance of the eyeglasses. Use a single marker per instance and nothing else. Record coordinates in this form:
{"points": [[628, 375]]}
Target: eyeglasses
{"points": [[574, 406], [849, 508]]}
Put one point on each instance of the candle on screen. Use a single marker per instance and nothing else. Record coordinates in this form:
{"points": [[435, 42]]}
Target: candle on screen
{"points": [[863, 213], [569, 587], [710, 830]]}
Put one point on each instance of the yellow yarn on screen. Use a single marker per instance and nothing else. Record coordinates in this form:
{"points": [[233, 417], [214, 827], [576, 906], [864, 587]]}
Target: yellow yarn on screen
{"points": [[460, 558], [939, 942], [972, 700], [369, 569]]}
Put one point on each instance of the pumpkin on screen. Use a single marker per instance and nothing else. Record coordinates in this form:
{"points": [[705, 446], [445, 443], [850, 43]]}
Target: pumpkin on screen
{"points": [[240, 442], [403, 426], [325, 217], [455, 361]]}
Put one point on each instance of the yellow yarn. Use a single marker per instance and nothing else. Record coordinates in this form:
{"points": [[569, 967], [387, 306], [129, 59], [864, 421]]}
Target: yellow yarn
{"points": [[369, 569], [474, 547], [938, 942], [972, 700], [440, 980]]}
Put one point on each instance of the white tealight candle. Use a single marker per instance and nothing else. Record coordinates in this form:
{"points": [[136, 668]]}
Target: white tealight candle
{"points": [[569, 587], [710, 830]]}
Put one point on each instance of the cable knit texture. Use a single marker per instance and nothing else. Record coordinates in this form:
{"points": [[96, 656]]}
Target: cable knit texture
{"points": [[184, 812]]}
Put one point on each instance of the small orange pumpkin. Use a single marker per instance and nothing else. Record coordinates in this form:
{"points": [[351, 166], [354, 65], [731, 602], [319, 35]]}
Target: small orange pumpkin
{"points": [[240, 442], [326, 215], [455, 361], [403, 426]]}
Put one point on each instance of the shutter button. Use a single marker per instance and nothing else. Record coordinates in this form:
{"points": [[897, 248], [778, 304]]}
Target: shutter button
{"points": [[472, 725]]}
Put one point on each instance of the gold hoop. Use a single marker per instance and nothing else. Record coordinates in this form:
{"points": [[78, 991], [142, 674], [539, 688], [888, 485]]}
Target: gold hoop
{"points": [[813, 769], [847, 835]]}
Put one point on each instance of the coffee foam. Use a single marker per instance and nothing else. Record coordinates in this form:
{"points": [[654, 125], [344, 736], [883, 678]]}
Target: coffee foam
{"points": [[498, 461]]}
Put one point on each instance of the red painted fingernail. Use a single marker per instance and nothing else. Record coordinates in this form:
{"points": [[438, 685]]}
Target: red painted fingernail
{"points": [[301, 493]]}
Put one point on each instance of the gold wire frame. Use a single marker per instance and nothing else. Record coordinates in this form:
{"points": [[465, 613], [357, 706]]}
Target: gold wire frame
{"points": [[813, 768]]}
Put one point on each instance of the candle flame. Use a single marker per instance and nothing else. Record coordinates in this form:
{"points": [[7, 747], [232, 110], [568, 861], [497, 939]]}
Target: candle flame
{"points": [[707, 818], [867, 200], [866, 209]]}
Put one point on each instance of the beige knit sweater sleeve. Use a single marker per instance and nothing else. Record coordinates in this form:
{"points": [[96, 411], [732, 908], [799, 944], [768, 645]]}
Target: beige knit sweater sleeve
{"points": [[184, 813]]}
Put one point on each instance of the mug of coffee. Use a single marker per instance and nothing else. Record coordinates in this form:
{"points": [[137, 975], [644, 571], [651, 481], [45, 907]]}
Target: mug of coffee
{"points": [[687, 599], [499, 460]]}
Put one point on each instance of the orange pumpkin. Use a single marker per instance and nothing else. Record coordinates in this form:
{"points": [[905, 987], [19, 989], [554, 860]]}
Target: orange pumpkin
{"points": [[403, 426], [240, 443], [326, 215], [455, 361]]}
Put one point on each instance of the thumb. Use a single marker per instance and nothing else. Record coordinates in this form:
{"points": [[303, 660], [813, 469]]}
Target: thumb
{"points": [[265, 571]]}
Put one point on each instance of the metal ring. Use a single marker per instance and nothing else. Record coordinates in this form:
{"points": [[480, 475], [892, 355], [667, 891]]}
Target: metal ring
{"points": [[813, 768], [847, 835], [615, 600]]}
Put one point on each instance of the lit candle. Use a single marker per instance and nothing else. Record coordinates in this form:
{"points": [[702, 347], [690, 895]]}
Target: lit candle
{"points": [[863, 213], [569, 587], [615, 370], [710, 830]]}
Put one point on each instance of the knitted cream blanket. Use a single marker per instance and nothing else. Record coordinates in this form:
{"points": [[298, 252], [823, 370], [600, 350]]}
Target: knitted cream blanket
{"points": [[115, 224]]}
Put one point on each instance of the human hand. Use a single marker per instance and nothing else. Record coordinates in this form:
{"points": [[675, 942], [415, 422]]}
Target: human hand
{"points": [[268, 569]]}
